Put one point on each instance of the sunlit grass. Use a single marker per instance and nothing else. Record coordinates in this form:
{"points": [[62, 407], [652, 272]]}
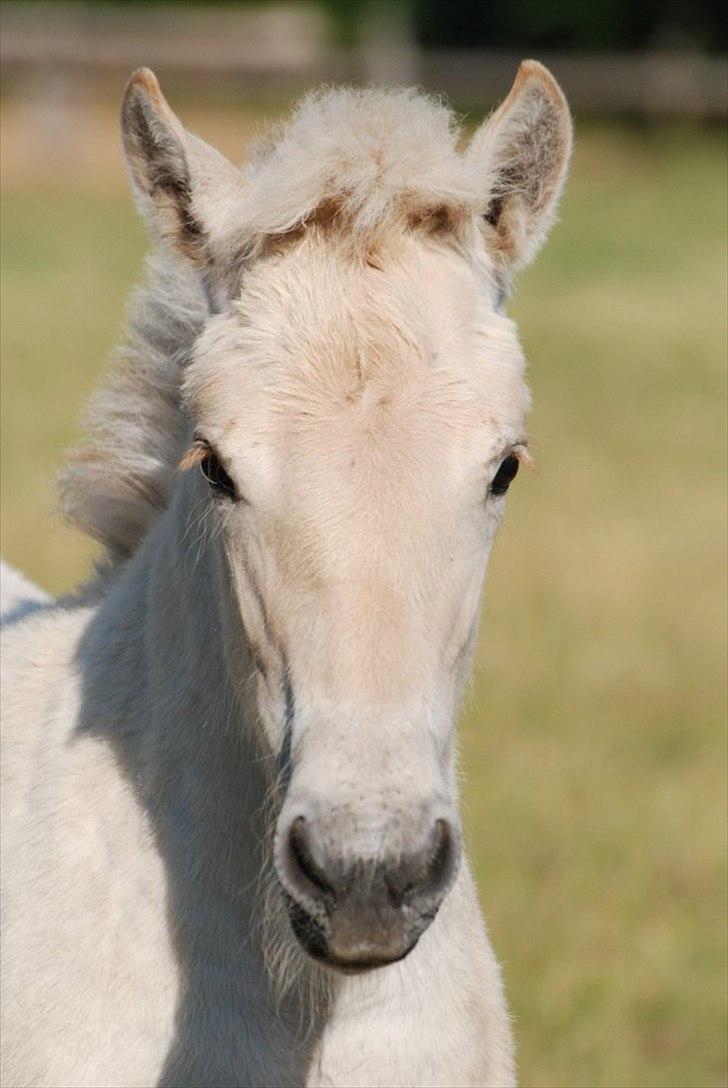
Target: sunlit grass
{"points": [[594, 751], [594, 741]]}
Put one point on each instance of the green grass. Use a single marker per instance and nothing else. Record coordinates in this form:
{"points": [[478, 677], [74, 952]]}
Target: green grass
{"points": [[593, 736]]}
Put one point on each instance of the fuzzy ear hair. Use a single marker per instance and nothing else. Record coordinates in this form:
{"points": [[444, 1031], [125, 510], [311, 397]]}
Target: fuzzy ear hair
{"points": [[189, 192], [524, 150]]}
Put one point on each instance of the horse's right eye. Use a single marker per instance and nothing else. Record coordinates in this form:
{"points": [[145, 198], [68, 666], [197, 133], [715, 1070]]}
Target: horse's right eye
{"points": [[216, 476], [504, 475]]}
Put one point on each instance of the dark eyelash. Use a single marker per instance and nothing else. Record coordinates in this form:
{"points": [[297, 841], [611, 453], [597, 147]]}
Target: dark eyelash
{"points": [[216, 475]]}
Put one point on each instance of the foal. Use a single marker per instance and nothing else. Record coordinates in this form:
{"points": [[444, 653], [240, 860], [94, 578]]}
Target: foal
{"points": [[232, 844]]}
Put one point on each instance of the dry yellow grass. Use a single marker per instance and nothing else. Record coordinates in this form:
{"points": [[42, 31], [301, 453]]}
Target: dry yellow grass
{"points": [[594, 743]]}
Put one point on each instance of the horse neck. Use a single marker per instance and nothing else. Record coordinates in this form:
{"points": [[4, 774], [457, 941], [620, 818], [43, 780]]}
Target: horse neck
{"points": [[185, 734]]}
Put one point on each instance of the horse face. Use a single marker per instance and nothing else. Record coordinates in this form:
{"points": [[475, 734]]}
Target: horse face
{"points": [[357, 427], [359, 408]]}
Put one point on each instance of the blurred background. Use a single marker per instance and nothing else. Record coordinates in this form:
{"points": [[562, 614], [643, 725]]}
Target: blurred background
{"points": [[594, 749]]}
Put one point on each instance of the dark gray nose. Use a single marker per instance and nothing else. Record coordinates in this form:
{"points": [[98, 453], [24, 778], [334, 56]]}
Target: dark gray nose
{"points": [[357, 914]]}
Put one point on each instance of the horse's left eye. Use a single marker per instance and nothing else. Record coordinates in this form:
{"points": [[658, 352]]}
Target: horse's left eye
{"points": [[216, 476], [504, 475]]}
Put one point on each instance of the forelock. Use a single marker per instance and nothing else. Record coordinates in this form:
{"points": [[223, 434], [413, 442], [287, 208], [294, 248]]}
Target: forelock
{"points": [[364, 159]]}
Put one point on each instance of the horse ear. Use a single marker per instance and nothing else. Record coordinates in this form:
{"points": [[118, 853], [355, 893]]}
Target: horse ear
{"points": [[190, 193], [524, 150]]}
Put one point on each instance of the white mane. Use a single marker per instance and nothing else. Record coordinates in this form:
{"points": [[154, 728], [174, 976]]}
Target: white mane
{"points": [[372, 158], [120, 479]]}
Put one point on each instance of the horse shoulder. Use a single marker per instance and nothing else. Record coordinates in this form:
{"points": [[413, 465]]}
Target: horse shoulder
{"points": [[84, 936]]}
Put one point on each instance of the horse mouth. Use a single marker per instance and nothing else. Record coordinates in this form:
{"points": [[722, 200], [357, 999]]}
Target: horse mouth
{"points": [[354, 951]]}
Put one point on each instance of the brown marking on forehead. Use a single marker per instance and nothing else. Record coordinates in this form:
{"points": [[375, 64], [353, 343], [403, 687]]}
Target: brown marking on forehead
{"points": [[438, 220], [324, 218], [331, 218]]}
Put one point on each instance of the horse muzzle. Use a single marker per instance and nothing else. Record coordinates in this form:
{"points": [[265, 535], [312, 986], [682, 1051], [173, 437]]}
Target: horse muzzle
{"points": [[355, 914]]}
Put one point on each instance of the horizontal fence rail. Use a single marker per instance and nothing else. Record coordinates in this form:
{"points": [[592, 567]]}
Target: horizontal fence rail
{"points": [[287, 47]]}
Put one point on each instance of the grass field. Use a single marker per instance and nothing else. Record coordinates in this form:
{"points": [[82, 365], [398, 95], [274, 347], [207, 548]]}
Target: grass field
{"points": [[593, 736]]}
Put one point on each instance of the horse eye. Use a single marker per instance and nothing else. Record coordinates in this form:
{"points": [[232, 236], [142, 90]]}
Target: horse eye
{"points": [[504, 475], [216, 475]]}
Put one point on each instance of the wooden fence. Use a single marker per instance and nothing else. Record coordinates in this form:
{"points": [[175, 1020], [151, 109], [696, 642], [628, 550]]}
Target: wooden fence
{"points": [[286, 47]]}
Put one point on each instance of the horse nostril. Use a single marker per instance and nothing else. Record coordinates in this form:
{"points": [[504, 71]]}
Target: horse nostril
{"points": [[441, 857], [424, 875], [304, 863]]}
